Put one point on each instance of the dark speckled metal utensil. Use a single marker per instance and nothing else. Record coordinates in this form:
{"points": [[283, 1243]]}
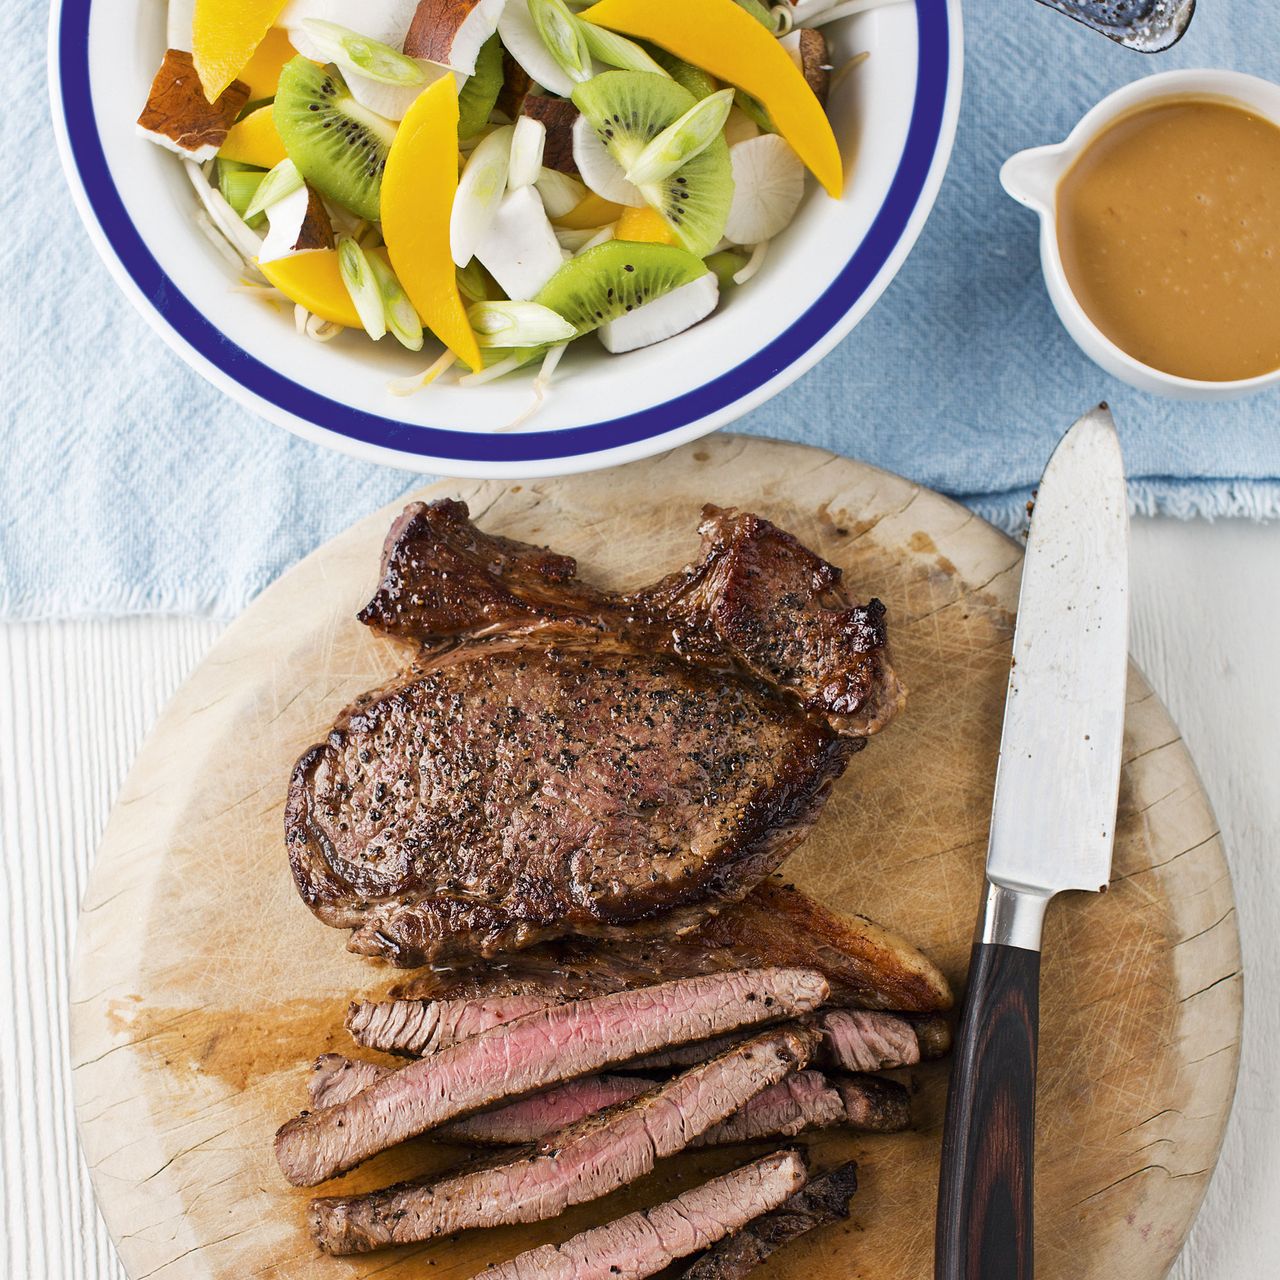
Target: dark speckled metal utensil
{"points": [[1146, 25]]}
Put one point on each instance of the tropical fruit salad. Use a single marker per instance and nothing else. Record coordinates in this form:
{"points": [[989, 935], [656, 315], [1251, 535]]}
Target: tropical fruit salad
{"points": [[509, 176]]}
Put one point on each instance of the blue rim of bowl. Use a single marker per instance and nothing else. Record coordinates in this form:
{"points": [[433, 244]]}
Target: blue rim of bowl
{"points": [[925, 134]]}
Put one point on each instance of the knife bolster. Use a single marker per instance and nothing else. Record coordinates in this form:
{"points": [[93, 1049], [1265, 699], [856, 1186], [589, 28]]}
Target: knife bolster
{"points": [[1012, 917]]}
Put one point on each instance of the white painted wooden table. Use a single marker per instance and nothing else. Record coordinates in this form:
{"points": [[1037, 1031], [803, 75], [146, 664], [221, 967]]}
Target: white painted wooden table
{"points": [[76, 700]]}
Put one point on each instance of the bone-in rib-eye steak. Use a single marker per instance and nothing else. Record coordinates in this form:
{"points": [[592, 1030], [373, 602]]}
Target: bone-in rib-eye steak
{"points": [[561, 761]]}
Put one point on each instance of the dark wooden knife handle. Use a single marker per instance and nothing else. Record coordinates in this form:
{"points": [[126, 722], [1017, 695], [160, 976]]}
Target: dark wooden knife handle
{"points": [[985, 1191]]}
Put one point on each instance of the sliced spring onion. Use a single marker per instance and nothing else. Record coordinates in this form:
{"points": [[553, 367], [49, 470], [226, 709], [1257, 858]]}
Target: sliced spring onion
{"points": [[504, 363], [563, 36], [353, 267], [238, 187], [370, 58], [480, 191], [527, 144], [618, 51], [473, 283], [402, 320], [693, 133], [281, 181], [517, 324]]}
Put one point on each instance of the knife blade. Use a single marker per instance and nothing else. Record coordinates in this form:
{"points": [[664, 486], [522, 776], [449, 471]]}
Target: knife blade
{"points": [[1052, 829]]}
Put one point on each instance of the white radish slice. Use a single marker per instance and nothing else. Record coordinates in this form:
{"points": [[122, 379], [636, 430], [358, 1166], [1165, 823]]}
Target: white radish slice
{"points": [[354, 52], [386, 21], [739, 127], [599, 170], [768, 185], [520, 250], [526, 153], [480, 191], [520, 38], [560, 193], [664, 317]]}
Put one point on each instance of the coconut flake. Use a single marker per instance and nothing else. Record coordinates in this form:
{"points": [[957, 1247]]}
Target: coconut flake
{"points": [[298, 223], [451, 32], [178, 116]]}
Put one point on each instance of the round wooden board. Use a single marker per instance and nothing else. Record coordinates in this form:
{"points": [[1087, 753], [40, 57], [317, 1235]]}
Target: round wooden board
{"points": [[202, 987]]}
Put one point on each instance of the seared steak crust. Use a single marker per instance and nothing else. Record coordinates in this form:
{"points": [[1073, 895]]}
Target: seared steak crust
{"points": [[756, 598], [561, 761], [501, 793], [866, 966], [824, 1199]]}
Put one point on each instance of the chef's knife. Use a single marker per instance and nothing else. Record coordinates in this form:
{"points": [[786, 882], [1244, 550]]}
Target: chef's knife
{"points": [[1052, 823]]}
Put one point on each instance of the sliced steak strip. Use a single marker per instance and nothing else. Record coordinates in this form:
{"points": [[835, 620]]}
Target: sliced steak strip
{"points": [[420, 1027], [533, 1053], [642, 1243], [824, 1199], [806, 1100], [857, 1040], [853, 1040], [335, 1078], [531, 1119], [583, 1162]]}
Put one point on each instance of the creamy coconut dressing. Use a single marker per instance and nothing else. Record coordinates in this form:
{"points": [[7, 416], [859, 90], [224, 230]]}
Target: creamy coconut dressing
{"points": [[1169, 230]]}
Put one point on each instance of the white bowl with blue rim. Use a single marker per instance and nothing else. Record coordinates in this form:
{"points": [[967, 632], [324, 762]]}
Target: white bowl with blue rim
{"points": [[895, 116]]}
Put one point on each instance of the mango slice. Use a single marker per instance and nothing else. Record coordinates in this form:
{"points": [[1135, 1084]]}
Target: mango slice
{"points": [[224, 35], [645, 225], [591, 211], [262, 72], [418, 186], [722, 38], [254, 140], [313, 280]]}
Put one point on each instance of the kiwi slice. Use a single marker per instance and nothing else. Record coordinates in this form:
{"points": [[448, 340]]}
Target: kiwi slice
{"points": [[616, 277], [478, 97], [685, 74], [628, 109], [339, 146]]}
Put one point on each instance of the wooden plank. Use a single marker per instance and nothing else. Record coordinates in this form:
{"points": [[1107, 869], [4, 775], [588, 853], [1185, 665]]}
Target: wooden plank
{"points": [[202, 987]]}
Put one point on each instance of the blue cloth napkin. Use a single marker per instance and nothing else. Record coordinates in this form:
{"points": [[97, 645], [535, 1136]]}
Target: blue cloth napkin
{"points": [[128, 484]]}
